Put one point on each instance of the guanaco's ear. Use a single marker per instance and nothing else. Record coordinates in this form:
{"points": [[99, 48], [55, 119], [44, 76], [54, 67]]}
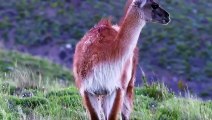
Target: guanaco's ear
{"points": [[140, 3]]}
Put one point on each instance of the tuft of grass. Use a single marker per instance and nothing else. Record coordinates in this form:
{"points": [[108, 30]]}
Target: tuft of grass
{"points": [[185, 109], [29, 103], [175, 108], [156, 91], [69, 91]]}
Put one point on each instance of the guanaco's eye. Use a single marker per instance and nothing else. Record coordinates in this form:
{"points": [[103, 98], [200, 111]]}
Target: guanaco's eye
{"points": [[155, 6]]}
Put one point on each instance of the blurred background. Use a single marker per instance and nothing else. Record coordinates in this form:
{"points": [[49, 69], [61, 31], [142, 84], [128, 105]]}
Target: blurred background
{"points": [[179, 54]]}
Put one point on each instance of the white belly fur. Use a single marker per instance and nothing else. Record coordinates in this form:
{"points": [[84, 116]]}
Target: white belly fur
{"points": [[106, 76]]}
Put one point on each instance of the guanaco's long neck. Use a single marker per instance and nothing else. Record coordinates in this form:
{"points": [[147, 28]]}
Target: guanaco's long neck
{"points": [[130, 30]]}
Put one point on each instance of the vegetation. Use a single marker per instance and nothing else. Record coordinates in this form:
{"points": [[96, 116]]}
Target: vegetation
{"points": [[51, 99], [33, 88], [183, 47], [25, 66]]}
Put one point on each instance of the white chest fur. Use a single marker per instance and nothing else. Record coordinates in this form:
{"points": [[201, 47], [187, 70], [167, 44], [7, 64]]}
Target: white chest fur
{"points": [[106, 77]]}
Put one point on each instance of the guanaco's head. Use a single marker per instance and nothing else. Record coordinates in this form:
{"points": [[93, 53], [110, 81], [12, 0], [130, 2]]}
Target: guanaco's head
{"points": [[150, 11]]}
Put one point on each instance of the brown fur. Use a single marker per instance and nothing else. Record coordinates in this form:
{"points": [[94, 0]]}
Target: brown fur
{"points": [[104, 45], [98, 40]]}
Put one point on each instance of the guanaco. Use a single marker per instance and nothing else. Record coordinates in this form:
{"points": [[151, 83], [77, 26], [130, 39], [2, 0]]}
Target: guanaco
{"points": [[105, 61]]}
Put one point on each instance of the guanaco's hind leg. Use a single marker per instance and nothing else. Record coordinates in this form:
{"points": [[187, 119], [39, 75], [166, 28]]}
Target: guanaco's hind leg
{"points": [[128, 103], [112, 104], [108, 104], [93, 106]]}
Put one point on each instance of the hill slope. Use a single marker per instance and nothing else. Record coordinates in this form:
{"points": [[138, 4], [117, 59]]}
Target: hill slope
{"points": [[25, 94], [180, 52]]}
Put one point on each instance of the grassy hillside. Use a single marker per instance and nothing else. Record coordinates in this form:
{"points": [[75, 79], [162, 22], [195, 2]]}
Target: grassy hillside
{"points": [[26, 94], [32, 67], [183, 48]]}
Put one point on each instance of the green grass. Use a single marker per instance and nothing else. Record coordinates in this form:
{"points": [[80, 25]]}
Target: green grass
{"points": [[49, 99], [65, 103], [24, 66]]}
